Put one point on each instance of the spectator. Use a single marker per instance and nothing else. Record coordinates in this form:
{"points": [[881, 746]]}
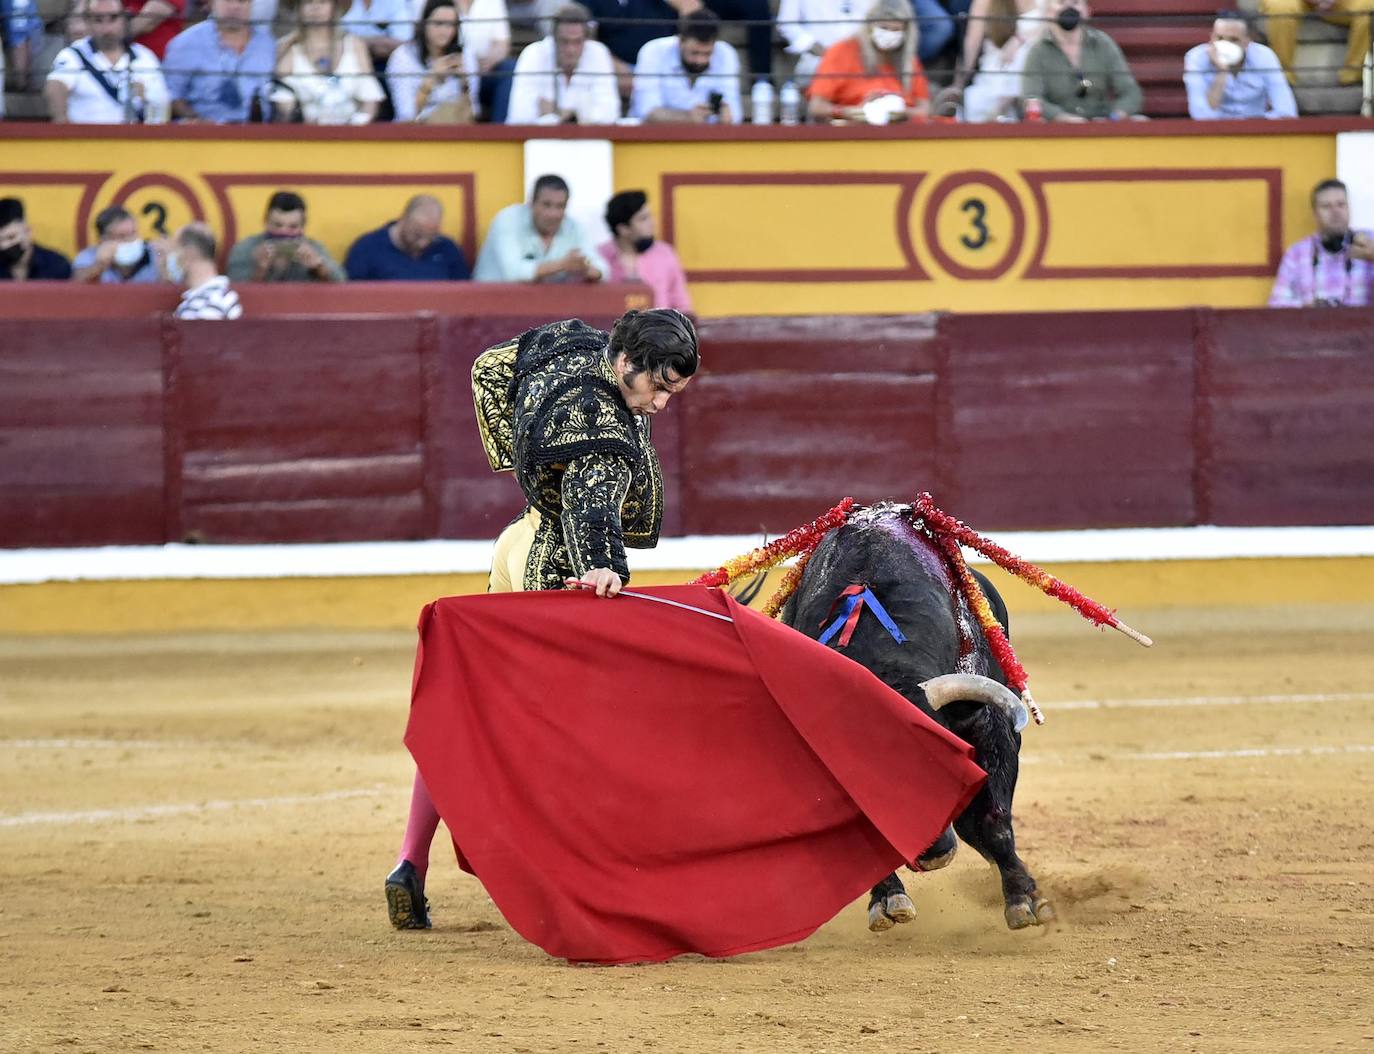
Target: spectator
{"points": [[634, 255], [1079, 73], [153, 23], [691, 78], [1332, 268], [120, 255], [21, 258], [565, 78], [433, 79], [937, 25], [486, 33], [538, 242], [1283, 18], [860, 73], [410, 249], [996, 45], [1235, 77], [21, 30], [326, 72], [812, 26], [282, 252], [192, 263], [216, 68], [382, 25], [101, 80]]}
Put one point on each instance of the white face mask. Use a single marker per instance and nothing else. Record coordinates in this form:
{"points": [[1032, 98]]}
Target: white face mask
{"points": [[128, 253], [885, 39], [175, 271]]}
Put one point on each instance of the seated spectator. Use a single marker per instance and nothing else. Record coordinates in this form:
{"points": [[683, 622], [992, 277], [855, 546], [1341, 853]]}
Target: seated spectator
{"points": [[21, 31], [216, 68], [996, 45], [692, 78], [326, 72], [938, 24], [432, 78], [565, 78], [1285, 18], [875, 64], [634, 255], [812, 26], [1235, 77], [153, 23], [21, 258], [410, 249], [1333, 267], [282, 252], [192, 263], [120, 255], [101, 80], [382, 25], [538, 242], [1079, 73], [485, 28]]}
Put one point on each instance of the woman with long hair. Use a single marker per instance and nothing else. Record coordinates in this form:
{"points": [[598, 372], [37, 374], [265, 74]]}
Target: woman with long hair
{"points": [[875, 74], [324, 72], [433, 78], [999, 37]]}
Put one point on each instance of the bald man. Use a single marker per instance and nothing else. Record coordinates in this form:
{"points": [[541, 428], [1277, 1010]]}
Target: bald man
{"points": [[409, 249]]}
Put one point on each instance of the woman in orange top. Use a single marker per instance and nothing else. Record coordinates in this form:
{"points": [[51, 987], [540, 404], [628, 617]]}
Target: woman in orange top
{"points": [[864, 67]]}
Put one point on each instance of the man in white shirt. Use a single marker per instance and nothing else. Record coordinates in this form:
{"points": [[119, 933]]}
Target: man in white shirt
{"points": [[565, 78], [811, 26], [192, 262], [101, 80], [692, 78]]}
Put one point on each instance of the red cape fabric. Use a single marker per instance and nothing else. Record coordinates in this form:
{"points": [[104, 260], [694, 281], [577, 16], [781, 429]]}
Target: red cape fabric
{"points": [[633, 781]]}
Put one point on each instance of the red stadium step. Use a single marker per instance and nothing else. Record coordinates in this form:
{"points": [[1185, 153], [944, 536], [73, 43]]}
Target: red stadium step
{"points": [[1154, 9], [1158, 38]]}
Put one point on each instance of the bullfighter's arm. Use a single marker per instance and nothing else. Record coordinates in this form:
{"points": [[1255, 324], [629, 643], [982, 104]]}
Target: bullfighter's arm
{"points": [[594, 489]]}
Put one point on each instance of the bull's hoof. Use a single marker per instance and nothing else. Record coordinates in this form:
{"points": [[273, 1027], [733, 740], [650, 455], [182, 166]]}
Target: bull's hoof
{"points": [[886, 913], [934, 863], [1044, 912], [1020, 915]]}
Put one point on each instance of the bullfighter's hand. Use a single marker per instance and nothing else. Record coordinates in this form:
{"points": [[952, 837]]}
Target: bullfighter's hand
{"points": [[602, 579]]}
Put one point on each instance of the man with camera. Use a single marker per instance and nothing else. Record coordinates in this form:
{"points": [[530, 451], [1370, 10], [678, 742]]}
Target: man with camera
{"points": [[1335, 266], [282, 252], [692, 78]]}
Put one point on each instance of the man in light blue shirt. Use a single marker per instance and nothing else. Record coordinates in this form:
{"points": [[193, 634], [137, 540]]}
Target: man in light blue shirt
{"points": [[692, 78], [538, 242], [215, 68], [1232, 76]]}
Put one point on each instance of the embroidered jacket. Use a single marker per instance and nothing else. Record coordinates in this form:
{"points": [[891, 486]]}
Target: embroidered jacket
{"points": [[549, 408]]}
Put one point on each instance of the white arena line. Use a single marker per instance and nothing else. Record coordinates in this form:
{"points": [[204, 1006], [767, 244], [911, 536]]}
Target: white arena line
{"points": [[157, 812], [1202, 755], [1205, 700]]}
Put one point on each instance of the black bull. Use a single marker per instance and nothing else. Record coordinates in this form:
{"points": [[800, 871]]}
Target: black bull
{"points": [[881, 548]]}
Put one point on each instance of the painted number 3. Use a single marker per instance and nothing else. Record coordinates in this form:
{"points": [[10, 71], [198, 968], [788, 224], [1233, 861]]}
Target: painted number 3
{"points": [[978, 213]]}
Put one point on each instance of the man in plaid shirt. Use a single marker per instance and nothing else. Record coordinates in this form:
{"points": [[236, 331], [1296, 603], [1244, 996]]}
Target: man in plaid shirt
{"points": [[1332, 268]]}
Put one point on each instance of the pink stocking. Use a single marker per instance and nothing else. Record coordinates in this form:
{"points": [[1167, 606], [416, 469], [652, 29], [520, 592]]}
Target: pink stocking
{"points": [[420, 827]]}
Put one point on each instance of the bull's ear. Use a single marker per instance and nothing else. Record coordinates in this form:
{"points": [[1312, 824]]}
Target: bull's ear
{"points": [[972, 688]]}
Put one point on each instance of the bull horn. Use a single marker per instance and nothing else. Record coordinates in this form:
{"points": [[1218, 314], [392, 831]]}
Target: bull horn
{"points": [[972, 688]]}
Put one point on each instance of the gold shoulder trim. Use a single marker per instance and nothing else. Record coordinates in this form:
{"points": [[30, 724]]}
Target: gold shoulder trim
{"points": [[491, 377]]}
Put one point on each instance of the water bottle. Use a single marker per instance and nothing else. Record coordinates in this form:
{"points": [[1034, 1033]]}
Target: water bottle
{"points": [[789, 102], [761, 101]]}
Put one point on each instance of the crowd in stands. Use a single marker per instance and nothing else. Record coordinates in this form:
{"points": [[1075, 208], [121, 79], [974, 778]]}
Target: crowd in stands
{"points": [[533, 242], [451, 61]]}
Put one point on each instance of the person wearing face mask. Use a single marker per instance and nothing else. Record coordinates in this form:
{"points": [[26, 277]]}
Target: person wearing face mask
{"points": [[692, 78], [874, 76], [120, 255], [21, 258], [1079, 73], [192, 263], [1331, 268], [635, 255], [1233, 76]]}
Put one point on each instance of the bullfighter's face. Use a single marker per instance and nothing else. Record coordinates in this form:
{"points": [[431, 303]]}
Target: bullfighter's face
{"points": [[646, 393]]}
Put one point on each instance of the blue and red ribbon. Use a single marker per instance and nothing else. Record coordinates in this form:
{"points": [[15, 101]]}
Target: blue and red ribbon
{"points": [[851, 603]]}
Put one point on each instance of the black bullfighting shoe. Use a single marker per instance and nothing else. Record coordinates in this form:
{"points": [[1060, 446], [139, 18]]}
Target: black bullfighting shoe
{"points": [[405, 898]]}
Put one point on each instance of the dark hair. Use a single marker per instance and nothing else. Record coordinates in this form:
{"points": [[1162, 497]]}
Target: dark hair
{"points": [[422, 45], [549, 183], [1234, 15], [623, 207], [659, 341], [285, 201], [702, 25], [11, 211], [1326, 184], [198, 238], [109, 216], [571, 14]]}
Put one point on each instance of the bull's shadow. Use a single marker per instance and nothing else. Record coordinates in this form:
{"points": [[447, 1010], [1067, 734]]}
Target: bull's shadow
{"points": [[945, 668]]}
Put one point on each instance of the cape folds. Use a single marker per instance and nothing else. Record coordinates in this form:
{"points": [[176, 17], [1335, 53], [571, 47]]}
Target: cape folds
{"points": [[632, 781]]}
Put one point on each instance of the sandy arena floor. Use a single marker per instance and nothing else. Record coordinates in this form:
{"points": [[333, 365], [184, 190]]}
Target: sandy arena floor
{"points": [[194, 832]]}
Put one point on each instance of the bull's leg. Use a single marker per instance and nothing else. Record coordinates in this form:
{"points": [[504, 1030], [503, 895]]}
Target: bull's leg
{"points": [[888, 905], [940, 854]]}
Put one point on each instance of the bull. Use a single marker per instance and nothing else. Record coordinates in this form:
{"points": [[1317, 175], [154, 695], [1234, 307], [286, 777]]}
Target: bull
{"points": [[945, 668]]}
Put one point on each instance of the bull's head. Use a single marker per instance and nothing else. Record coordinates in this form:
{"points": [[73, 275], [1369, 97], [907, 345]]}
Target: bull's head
{"points": [[971, 688]]}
